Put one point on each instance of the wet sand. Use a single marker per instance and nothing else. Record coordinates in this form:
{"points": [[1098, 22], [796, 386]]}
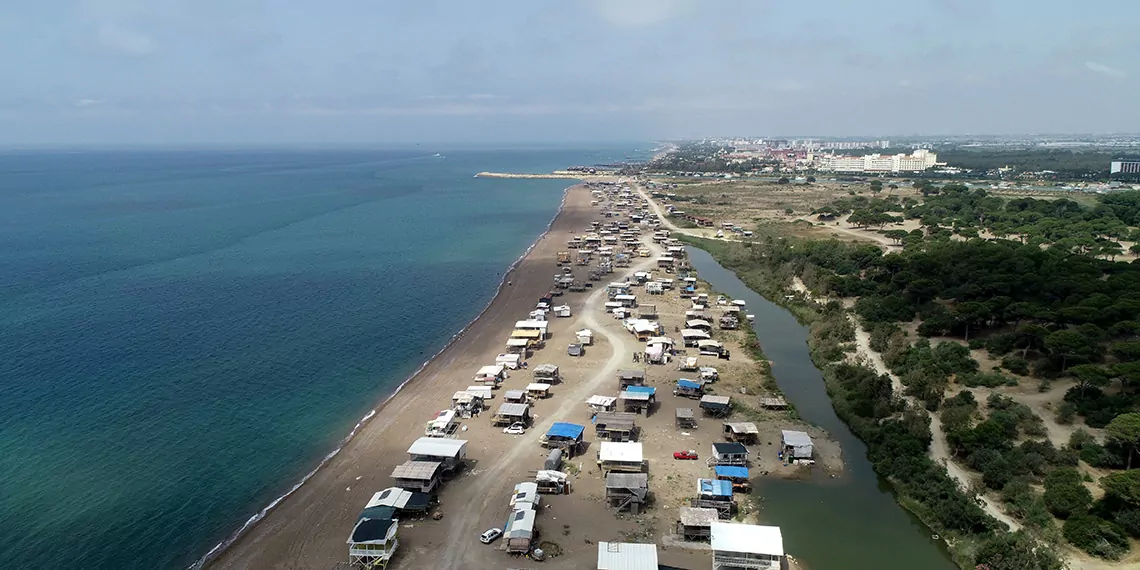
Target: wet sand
{"points": [[309, 528]]}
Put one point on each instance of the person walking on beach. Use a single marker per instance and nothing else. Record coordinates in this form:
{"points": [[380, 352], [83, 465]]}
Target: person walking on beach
{"points": [[635, 357]]}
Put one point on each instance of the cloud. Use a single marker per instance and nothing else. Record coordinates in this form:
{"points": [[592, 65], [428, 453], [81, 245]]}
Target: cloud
{"points": [[1104, 69], [638, 13], [124, 41], [790, 85]]}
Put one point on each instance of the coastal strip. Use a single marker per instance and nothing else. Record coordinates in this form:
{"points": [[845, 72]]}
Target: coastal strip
{"points": [[294, 526], [556, 175]]}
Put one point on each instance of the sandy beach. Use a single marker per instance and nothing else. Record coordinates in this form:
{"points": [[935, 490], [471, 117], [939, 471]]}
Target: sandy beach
{"points": [[309, 528]]}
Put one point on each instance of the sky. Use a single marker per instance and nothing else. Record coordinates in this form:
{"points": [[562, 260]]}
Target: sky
{"points": [[382, 71]]}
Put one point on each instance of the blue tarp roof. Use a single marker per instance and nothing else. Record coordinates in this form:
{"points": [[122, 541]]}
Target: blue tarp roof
{"points": [[567, 430], [642, 389], [690, 384], [714, 487], [733, 471]]}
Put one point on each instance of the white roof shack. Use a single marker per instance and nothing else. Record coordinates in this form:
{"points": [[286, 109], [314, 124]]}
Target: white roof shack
{"points": [[438, 447], [537, 387], [604, 401], [694, 333], [532, 325], [517, 342], [626, 556], [491, 370], [747, 538], [659, 340], [799, 441], [625, 452]]}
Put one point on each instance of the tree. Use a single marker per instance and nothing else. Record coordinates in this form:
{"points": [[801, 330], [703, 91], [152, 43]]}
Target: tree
{"points": [[1017, 551], [1065, 495], [897, 235], [1067, 345], [1090, 375], [782, 180], [1123, 486], [810, 179], [1125, 430], [1096, 536]]}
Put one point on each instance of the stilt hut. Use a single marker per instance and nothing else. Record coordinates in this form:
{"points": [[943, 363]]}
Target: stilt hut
{"points": [[627, 490], [717, 495], [615, 426], [741, 432], [694, 523], [685, 419], [717, 406]]}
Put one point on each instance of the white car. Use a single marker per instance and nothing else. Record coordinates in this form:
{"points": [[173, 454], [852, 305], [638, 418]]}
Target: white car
{"points": [[490, 536], [515, 429]]}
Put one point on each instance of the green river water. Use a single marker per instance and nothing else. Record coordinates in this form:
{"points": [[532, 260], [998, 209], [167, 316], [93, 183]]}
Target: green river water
{"points": [[848, 523]]}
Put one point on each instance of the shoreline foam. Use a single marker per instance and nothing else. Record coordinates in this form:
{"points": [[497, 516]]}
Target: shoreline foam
{"points": [[221, 547]]}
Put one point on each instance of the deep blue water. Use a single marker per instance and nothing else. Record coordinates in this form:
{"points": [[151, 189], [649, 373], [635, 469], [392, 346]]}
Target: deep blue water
{"points": [[184, 334]]}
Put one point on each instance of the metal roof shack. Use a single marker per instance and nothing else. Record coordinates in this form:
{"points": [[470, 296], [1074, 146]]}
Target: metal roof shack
{"points": [[626, 556], [420, 476], [630, 378], [716, 405], [615, 426], [743, 432], [627, 490], [694, 522], [684, 418], [746, 546], [510, 413], [601, 403], [400, 499]]}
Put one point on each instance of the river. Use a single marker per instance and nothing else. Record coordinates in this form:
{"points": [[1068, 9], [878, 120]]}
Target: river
{"points": [[848, 523]]}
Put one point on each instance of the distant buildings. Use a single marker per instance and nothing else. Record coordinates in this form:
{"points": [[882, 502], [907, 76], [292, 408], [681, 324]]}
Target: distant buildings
{"points": [[917, 161], [1124, 167]]}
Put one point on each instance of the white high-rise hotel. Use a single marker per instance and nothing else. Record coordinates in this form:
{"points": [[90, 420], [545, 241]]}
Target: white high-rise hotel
{"points": [[919, 160]]}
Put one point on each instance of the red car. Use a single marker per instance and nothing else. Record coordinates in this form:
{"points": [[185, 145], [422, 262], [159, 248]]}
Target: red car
{"points": [[690, 454]]}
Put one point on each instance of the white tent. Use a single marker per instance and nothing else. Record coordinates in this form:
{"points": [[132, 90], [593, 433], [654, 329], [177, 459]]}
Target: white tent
{"points": [[799, 442]]}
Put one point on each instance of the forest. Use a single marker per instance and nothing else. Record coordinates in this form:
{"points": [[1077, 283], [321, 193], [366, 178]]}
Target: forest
{"points": [[1036, 285]]}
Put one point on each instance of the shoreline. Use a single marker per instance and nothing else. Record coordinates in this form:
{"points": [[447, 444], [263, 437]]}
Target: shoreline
{"points": [[220, 549]]}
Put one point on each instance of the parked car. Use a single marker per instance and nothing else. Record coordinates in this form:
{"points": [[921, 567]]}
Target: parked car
{"points": [[490, 536], [690, 454], [515, 429], [574, 349]]}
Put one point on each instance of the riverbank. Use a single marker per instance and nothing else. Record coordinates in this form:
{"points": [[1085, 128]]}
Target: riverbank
{"points": [[308, 528]]}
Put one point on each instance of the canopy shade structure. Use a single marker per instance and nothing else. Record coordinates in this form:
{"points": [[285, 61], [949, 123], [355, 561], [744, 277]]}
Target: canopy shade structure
{"points": [[565, 430], [732, 471]]}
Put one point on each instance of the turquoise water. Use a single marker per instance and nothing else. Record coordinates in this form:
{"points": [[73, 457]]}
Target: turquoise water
{"points": [[183, 335]]}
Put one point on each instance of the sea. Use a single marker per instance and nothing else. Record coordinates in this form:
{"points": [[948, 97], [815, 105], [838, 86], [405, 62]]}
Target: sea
{"points": [[185, 334]]}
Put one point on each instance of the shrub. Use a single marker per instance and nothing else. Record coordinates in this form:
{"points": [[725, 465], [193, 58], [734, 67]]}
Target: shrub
{"points": [[1096, 536], [1065, 495], [1016, 365], [987, 379]]}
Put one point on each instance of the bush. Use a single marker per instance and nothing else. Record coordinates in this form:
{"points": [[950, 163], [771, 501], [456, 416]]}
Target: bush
{"points": [[1129, 520], [987, 379], [1065, 495], [1016, 365], [1016, 551], [1096, 536]]}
